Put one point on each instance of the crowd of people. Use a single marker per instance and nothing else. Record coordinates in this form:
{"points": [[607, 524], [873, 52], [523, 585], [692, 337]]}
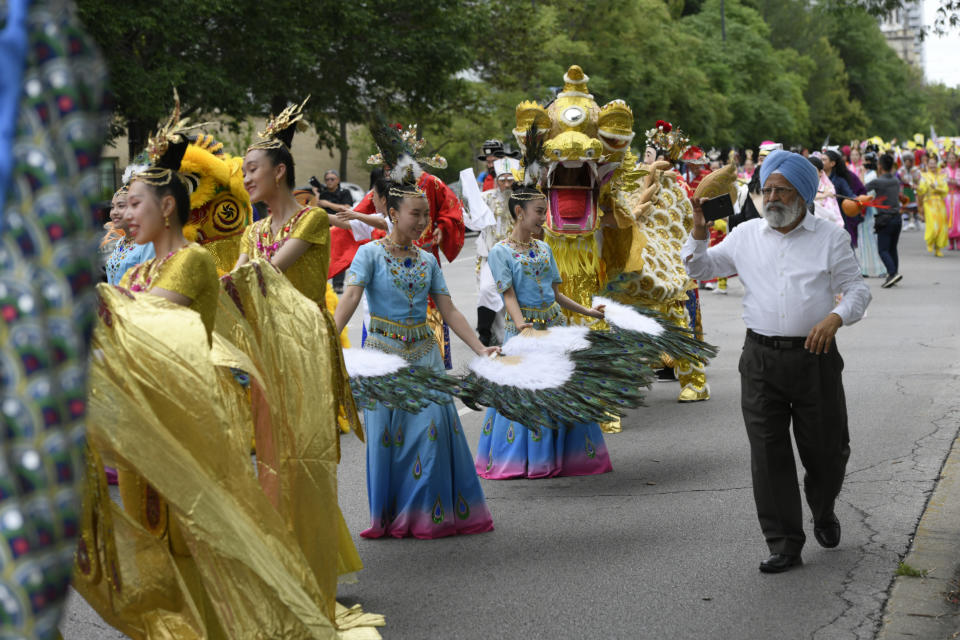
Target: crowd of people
{"points": [[384, 255], [871, 188], [219, 333]]}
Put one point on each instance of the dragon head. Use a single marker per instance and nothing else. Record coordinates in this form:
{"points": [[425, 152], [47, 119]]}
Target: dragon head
{"points": [[583, 146]]}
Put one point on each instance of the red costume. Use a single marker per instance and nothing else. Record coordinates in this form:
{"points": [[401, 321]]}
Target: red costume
{"points": [[446, 214], [489, 180]]}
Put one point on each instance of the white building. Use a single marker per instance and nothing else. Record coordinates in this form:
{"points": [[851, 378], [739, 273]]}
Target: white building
{"points": [[903, 28]]}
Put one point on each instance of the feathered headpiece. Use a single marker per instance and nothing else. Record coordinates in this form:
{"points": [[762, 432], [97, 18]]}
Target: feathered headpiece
{"points": [[532, 166], [665, 137], [165, 149], [393, 142], [405, 178], [280, 129]]}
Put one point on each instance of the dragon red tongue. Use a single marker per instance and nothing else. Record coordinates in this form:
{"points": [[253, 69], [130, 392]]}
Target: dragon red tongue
{"points": [[572, 203]]}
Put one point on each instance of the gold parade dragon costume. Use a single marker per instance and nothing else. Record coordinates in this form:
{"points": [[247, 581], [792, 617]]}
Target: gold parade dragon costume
{"points": [[616, 226]]}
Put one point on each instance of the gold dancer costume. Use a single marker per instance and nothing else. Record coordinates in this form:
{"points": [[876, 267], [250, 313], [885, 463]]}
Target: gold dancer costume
{"points": [[308, 275], [204, 546]]}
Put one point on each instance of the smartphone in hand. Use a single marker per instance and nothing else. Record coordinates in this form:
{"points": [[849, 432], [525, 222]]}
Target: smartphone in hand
{"points": [[717, 208]]}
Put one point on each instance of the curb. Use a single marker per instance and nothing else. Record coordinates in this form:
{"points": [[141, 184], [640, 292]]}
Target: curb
{"points": [[918, 607]]}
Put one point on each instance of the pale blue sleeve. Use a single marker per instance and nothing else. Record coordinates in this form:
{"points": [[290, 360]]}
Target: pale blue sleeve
{"points": [[148, 252], [360, 272], [501, 266], [438, 285]]}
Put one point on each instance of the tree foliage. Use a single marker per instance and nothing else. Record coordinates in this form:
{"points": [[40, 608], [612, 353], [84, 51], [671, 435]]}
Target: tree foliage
{"points": [[794, 70], [247, 58]]}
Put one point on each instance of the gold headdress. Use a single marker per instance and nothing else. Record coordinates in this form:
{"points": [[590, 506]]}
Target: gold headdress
{"points": [[165, 149], [405, 178], [280, 129], [393, 141], [665, 137]]}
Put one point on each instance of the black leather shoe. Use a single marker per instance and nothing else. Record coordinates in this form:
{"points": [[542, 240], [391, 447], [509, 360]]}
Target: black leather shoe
{"points": [[827, 533], [780, 562]]}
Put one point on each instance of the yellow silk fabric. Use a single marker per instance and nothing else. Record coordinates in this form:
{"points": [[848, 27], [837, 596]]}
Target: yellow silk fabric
{"points": [[157, 406], [191, 272], [309, 276], [309, 273], [225, 252], [294, 415]]}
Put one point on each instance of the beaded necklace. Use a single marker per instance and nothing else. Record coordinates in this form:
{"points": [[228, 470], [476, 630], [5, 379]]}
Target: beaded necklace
{"points": [[144, 274], [399, 247], [267, 249], [521, 246]]}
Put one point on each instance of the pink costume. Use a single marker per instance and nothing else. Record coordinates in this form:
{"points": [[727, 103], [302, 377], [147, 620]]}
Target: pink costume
{"points": [[953, 206], [826, 205]]}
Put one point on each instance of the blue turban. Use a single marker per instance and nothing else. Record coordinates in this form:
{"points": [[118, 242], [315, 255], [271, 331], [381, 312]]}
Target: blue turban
{"points": [[796, 169]]}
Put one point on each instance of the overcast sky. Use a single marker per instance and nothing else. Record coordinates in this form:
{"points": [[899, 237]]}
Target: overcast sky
{"points": [[943, 54]]}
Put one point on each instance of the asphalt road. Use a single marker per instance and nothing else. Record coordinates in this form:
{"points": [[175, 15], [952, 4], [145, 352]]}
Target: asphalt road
{"points": [[667, 546]]}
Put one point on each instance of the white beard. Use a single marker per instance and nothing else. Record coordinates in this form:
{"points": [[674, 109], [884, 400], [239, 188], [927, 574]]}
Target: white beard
{"points": [[779, 215]]}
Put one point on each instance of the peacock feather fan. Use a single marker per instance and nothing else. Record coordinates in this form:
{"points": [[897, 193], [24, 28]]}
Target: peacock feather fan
{"points": [[377, 377]]}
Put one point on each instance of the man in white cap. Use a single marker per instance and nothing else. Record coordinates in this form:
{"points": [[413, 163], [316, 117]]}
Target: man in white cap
{"points": [[792, 266]]}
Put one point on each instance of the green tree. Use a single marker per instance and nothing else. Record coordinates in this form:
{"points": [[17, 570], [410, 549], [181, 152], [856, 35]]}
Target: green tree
{"points": [[248, 58], [832, 110], [763, 87]]}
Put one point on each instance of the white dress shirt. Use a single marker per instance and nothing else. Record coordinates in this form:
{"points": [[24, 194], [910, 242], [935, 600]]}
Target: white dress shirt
{"points": [[790, 280]]}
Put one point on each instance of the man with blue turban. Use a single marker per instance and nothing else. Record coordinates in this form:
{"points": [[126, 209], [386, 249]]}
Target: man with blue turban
{"points": [[792, 266]]}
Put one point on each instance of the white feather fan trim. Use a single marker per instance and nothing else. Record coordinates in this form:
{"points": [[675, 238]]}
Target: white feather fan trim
{"points": [[623, 317], [530, 371], [562, 339], [370, 363]]}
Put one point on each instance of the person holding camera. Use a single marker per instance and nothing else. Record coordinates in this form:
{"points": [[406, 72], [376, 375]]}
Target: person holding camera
{"points": [[792, 266]]}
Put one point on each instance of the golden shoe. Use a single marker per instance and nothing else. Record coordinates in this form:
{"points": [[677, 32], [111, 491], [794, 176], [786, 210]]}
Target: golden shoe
{"points": [[612, 426], [692, 394]]}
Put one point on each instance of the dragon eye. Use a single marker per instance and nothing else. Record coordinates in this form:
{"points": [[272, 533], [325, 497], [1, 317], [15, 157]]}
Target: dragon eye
{"points": [[573, 115]]}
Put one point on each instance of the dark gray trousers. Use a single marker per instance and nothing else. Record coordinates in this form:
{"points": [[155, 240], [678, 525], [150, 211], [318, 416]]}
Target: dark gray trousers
{"points": [[778, 386]]}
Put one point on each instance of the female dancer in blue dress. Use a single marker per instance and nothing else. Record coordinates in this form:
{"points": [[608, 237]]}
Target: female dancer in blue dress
{"points": [[527, 277], [126, 253], [420, 476]]}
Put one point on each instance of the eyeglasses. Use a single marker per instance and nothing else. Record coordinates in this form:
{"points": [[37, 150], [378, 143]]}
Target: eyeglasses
{"points": [[777, 191]]}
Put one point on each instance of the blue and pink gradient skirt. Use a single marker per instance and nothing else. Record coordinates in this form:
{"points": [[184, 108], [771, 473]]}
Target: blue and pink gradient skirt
{"points": [[420, 477], [510, 450]]}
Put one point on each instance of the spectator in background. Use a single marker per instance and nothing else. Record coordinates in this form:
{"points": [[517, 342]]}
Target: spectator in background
{"points": [[492, 149], [867, 252], [334, 199], [836, 170], [825, 203], [887, 222], [855, 166]]}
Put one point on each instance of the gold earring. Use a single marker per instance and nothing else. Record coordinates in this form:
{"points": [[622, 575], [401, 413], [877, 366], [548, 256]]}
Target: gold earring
{"points": [[166, 222]]}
